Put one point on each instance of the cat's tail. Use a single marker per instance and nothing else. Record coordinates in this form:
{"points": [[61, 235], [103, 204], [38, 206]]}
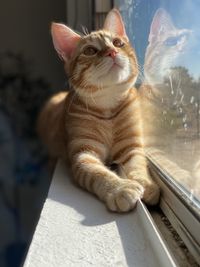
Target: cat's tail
{"points": [[50, 124]]}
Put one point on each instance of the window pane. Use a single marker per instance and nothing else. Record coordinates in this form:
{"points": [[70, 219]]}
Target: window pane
{"points": [[166, 36]]}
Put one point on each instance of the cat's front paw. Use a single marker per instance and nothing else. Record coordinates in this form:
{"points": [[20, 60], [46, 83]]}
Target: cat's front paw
{"points": [[151, 189], [124, 198], [151, 193]]}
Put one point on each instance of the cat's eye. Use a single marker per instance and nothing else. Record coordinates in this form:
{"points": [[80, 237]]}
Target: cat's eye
{"points": [[90, 51], [118, 43], [172, 41]]}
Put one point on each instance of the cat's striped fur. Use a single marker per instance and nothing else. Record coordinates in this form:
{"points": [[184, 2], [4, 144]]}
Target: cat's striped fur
{"points": [[99, 122]]}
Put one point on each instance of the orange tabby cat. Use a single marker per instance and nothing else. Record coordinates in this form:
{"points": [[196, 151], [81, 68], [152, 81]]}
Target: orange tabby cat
{"points": [[99, 122]]}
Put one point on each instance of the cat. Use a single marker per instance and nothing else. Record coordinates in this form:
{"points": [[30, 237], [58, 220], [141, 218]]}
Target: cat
{"points": [[166, 45], [98, 122]]}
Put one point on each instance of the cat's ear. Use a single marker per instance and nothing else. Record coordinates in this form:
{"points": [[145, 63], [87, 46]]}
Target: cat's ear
{"points": [[115, 24], [161, 25], [64, 39]]}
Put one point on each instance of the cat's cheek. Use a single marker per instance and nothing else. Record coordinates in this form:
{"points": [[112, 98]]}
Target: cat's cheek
{"points": [[92, 76], [124, 74]]}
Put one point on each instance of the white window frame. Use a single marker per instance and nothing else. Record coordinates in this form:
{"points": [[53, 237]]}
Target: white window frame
{"points": [[182, 215]]}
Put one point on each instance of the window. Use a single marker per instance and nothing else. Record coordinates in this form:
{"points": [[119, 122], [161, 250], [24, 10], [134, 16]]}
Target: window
{"points": [[166, 36]]}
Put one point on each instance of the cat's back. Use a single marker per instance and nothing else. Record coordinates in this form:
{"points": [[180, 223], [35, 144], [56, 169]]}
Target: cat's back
{"points": [[50, 125]]}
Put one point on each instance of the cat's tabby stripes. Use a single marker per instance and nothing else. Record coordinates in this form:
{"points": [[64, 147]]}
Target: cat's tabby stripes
{"points": [[99, 122]]}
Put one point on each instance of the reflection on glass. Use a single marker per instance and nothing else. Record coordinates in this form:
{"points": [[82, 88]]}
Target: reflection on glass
{"points": [[166, 36]]}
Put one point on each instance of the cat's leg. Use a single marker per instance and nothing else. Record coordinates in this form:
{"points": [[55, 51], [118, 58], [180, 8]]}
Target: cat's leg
{"points": [[133, 166], [90, 173]]}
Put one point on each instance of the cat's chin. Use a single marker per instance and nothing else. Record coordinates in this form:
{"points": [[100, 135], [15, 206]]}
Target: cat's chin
{"points": [[116, 75], [112, 74]]}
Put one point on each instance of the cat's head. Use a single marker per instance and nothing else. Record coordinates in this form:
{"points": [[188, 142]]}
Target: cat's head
{"points": [[99, 60], [166, 44]]}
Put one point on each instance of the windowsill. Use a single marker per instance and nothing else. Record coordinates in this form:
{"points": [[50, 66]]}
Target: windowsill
{"points": [[75, 229]]}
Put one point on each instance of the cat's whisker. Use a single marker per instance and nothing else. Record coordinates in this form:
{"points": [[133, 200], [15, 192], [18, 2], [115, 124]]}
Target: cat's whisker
{"points": [[72, 100], [139, 66], [91, 95], [85, 30], [102, 67], [141, 76], [84, 85], [99, 87]]}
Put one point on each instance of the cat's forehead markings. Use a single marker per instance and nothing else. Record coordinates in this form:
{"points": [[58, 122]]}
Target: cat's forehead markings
{"points": [[92, 42], [101, 36], [100, 39], [105, 37]]}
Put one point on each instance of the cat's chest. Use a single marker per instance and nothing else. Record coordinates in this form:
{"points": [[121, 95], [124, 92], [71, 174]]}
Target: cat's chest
{"points": [[122, 125], [105, 127]]}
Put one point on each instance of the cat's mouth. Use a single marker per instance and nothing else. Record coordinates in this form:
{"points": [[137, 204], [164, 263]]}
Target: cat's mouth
{"points": [[116, 66], [112, 67]]}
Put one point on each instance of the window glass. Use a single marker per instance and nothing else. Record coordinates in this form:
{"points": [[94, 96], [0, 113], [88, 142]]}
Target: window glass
{"points": [[166, 36]]}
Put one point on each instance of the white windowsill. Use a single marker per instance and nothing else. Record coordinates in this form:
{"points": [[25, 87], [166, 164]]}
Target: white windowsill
{"points": [[75, 229]]}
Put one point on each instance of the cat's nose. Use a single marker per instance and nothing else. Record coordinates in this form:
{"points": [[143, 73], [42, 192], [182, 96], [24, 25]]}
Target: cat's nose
{"points": [[111, 53]]}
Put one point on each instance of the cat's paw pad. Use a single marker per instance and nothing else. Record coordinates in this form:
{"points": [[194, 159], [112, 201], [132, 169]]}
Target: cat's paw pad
{"points": [[151, 194], [125, 197]]}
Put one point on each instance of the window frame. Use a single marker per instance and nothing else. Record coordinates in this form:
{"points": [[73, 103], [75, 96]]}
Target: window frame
{"points": [[183, 216]]}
